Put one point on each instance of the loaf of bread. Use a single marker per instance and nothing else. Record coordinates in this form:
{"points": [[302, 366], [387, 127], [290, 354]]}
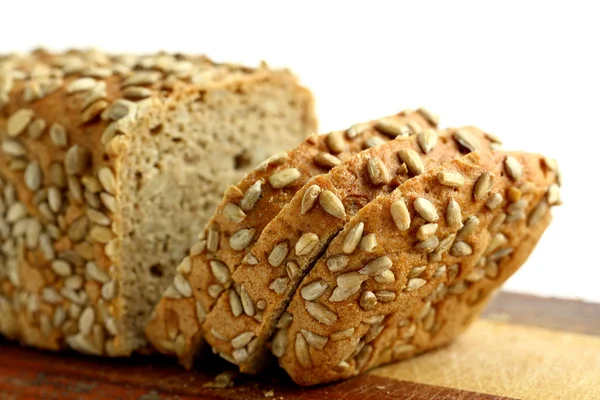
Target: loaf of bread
{"points": [[109, 167], [246, 209]]}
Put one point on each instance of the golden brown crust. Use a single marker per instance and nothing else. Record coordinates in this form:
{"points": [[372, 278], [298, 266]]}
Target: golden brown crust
{"points": [[349, 187], [240, 219], [66, 124], [427, 299]]}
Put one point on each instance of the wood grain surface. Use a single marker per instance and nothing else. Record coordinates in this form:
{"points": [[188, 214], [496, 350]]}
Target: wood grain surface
{"points": [[524, 348]]}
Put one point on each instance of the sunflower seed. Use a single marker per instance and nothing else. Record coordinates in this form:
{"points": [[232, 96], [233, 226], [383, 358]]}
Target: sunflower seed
{"points": [[50, 296], [247, 303], [363, 357], [451, 178], [215, 290], [427, 230], [350, 280], [58, 135], [483, 186], [386, 277], [335, 142], [517, 207], [279, 285], [18, 121], [341, 294], [285, 320], [373, 142], [321, 313], [470, 226], [339, 335], [332, 204], [108, 290], [251, 196], [218, 335], [284, 178], [198, 248], [429, 116], [136, 92], [280, 342], [373, 332], [241, 239], [185, 266], [97, 217], [182, 285], [412, 160], [416, 271], [76, 160], [302, 352], [326, 160], [400, 215], [306, 244], [392, 128], [212, 240], [118, 109], [457, 288], [94, 272], [538, 212], [242, 339], [385, 296], [440, 271], [13, 148], [33, 176], [309, 198], [337, 263], [500, 254], [357, 129], [428, 245], [445, 245], [514, 169], [353, 238], [414, 284], [81, 84], [314, 290], [475, 275], [107, 180], [427, 140], [278, 254], [61, 268], [86, 320], [496, 222], [453, 215], [292, 269], [426, 209], [233, 213], [461, 249], [494, 201], [220, 271], [235, 303], [367, 300], [378, 172], [467, 140], [100, 234], [376, 266], [368, 243], [498, 240]]}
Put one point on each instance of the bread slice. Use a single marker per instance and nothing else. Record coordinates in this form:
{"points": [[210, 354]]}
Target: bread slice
{"points": [[239, 220], [297, 236], [109, 167], [442, 250]]}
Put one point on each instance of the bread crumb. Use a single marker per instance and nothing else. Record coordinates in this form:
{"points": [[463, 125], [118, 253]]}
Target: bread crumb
{"points": [[222, 381], [270, 393]]}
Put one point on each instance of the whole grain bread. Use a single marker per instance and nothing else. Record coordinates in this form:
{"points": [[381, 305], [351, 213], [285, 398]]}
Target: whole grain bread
{"points": [[297, 236], [109, 166], [240, 218], [442, 250]]}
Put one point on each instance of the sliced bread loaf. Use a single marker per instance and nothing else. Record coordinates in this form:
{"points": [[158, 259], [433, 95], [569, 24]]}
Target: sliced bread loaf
{"points": [[239, 220], [109, 166]]}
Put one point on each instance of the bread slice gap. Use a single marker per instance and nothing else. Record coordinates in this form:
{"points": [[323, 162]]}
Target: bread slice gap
{"points": [[245, 210], [293, 241], [110, 165], [391, 303]]}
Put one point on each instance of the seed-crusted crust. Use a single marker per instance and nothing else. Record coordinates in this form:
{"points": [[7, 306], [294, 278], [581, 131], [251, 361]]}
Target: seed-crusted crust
{"points": [[426, 299], [66, 124], [341, 194], [240, 219]]}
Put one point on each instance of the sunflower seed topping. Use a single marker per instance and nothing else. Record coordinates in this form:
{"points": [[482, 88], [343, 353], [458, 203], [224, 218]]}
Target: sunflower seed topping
{"points": [[309, 198], [215, 290], [292, 269], [368, 243], [427, 140], [469, 227], [17, 122], [242, 339], [461, 249], [373, 142], [314, 290], [376, 266], [357, 129], [302, 352], [400, 215], [427, 230], [332, 204], [386, 277], [58, 135], [326, 160], [337, 263], [483, 186], [278, 254], [451, 178], [392, 128], [314, 340], [353, 238], [412, 160], [339, 335], [220, 271], [285, 320], [61, 268], [514, 169], [321, 313], [251, 196], [13, 148], [335, 142], [278, 285], [378, 172], [414, 284], [453, 215], [426, 209], [494, 201], [212, 240], [76, 160], [429, 116], [467, 140], [306, 244], [341, 294], [367, 300], [428, 245], [284, 178], [241, 239], [182, 285], [351, 280], [280, 343], [81, 85], [538, 212], [235, 303]]}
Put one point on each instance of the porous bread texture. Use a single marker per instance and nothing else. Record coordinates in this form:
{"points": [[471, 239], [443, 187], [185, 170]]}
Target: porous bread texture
{"points": [[109, 166], [245, 210], [417, 291], [298, 235]]}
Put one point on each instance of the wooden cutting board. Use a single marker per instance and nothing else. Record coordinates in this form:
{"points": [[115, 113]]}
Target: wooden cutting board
{"points": [[525, 347]]}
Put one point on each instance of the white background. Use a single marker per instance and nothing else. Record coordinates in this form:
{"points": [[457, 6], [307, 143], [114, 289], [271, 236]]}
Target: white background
{"points": [[527, 71]]}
